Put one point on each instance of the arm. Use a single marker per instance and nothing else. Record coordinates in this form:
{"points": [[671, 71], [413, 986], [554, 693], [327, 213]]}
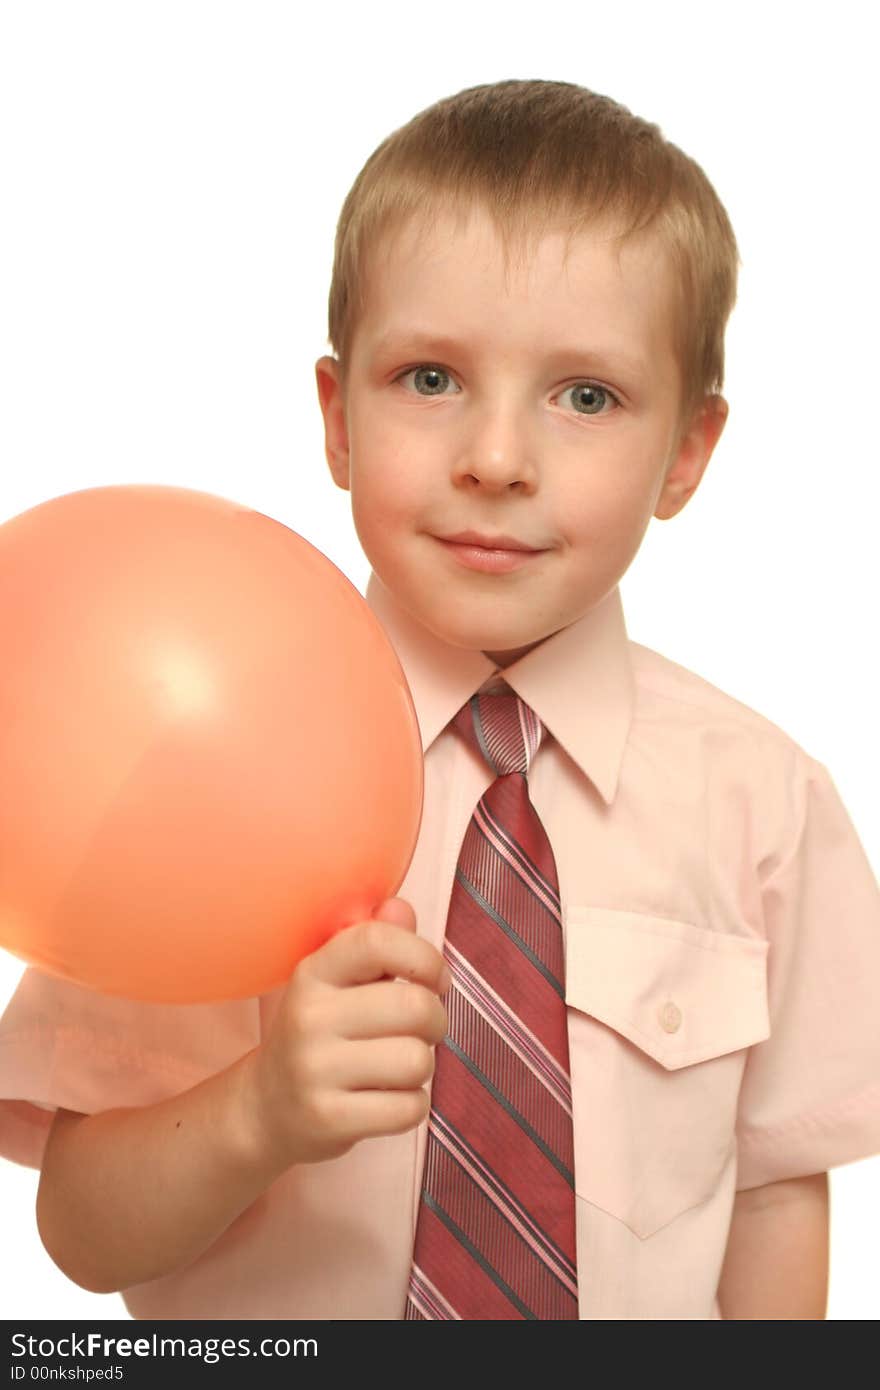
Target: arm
{"points": [[130, 1194], [127, 1195], [776, 1265]]}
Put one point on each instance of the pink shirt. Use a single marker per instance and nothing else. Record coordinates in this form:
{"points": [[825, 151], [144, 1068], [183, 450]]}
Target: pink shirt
{"points": [[722, 937]]}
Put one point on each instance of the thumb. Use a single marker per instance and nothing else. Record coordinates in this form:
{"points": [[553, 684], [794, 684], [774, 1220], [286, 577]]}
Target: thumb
{"points": [[397, 911]]}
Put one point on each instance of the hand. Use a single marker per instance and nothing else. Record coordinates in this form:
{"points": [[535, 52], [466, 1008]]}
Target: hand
{"points": [[351, 1046]]}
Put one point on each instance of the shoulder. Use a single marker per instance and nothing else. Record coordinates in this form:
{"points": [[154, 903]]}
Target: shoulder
{"points": [[670, 695], [717, 749], [756, 794]]}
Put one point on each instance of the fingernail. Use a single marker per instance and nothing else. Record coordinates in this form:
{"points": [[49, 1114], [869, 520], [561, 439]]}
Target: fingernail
{"points": [[445, 979]]}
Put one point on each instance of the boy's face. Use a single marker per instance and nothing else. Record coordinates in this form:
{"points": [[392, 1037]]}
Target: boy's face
{"points": [[548, 413]]}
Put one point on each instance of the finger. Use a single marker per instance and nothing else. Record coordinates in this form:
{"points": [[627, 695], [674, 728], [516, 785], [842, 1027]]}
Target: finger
{"points": [[367, 1114], [388, 1009], [398, 911], [372, 950], [393, 1064]]}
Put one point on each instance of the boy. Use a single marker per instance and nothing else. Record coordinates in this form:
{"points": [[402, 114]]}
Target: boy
{"points": [[509, 365]]}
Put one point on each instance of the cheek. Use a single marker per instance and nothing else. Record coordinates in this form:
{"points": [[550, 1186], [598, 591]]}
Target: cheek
{"points": [[386, 478], [604, 508], [386, 486]]}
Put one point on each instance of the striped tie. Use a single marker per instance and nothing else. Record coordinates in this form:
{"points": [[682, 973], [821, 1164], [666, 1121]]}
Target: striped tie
{"points": [[495, 1237]]}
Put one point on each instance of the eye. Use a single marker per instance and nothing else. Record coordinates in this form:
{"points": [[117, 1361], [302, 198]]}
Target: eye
{"points": [[589, 397], [432, 378]]}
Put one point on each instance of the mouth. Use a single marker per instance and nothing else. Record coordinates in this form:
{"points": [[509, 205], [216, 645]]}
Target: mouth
{"points": [[490, 559], [486, 542]]}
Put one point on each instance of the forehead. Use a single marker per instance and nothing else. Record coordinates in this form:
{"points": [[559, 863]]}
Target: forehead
{"points": [[448, 274]]}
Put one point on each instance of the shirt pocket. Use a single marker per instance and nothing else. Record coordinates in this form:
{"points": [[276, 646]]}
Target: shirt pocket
{"points": [[661, 1014]]}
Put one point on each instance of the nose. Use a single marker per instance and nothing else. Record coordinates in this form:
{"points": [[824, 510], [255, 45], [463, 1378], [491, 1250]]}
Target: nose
{"points": [[496, 451]]}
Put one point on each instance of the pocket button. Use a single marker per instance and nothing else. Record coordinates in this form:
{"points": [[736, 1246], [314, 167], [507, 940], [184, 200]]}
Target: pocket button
{"points": [[670, 1017]]}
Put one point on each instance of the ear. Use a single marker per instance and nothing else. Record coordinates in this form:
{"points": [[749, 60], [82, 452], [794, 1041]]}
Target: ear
{"points": [[332, 403], [694, 450]]}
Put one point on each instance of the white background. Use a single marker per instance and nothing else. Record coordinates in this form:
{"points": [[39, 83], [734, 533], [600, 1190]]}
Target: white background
{"points": [[171, 175]]}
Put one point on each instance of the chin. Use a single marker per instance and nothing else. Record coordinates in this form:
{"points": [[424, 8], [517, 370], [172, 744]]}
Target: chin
{"points": [[441, 624], [501, 652], [456, 638]]}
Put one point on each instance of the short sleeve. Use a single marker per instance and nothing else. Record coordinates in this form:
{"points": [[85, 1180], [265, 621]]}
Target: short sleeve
{"points": [[810, 1096], [64, 1045]]}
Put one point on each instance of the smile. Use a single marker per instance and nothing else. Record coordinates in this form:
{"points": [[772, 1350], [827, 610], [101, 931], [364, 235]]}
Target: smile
{"points": [[475, 557]]}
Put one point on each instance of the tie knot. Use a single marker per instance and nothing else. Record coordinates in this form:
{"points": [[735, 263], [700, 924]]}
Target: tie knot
{"points": [[503, 729]]}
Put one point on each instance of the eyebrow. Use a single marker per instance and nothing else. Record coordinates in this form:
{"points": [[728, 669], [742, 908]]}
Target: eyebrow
{"points": [[611, 359]]}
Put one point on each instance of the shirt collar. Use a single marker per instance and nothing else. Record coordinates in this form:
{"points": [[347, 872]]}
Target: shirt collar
{"points": [[579, 682]]}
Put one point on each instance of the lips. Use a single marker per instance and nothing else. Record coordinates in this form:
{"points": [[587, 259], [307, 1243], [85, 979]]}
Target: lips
{"points": [[486, 542], [489, 559]]}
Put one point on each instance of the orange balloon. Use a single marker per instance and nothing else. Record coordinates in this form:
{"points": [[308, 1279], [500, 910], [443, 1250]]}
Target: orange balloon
{"points": [[209, 756]]}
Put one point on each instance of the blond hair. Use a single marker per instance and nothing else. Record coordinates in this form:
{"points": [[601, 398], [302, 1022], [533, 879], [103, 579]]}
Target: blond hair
{"points": [[540, 156]]}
